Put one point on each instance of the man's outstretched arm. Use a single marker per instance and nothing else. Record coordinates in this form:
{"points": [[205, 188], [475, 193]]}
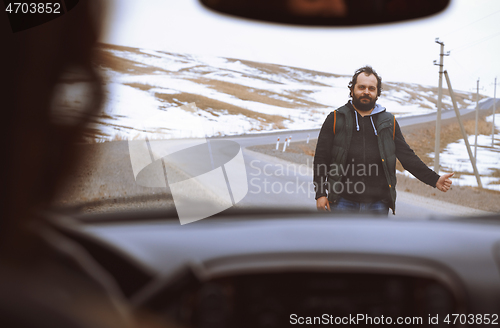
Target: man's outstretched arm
{"points": [[413, 164]]}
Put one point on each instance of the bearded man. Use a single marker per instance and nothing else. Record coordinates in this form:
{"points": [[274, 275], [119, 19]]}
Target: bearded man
{"points": [[355, 159]]}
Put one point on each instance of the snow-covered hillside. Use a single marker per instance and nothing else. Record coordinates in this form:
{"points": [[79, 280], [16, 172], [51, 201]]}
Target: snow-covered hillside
{"points": [[146, 90]]}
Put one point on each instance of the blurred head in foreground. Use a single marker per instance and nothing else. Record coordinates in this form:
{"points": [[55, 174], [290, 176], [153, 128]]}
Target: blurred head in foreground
{"points": [[46, 280], [38, 150]]}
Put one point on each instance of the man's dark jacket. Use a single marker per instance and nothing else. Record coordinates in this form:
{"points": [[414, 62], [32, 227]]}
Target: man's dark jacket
{"points": [[333, 147]]}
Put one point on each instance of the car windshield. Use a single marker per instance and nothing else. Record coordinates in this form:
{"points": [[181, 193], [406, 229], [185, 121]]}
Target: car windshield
{"points": [[202, 112]]}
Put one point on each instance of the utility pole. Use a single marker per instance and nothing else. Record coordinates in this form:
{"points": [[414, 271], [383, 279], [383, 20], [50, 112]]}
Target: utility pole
{"points": [[477, 119], [437, 146], [494, 111]]}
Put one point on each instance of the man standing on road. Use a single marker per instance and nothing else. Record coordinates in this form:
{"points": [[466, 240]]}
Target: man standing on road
{"points": [[355, 159]]}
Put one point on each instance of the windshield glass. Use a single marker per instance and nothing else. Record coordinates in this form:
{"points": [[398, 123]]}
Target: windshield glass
{"points": [[203, 112]]}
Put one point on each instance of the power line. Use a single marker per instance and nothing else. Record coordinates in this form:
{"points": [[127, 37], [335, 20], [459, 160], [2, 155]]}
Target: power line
{"points": [[474, 22], [463, 68], [473, 43]]}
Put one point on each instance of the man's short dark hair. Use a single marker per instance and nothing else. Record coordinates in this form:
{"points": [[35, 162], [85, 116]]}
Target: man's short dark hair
{"points": [[368, 70]]}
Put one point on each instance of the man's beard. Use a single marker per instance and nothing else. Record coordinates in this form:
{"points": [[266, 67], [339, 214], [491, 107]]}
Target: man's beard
{"points": [[363, 107]]}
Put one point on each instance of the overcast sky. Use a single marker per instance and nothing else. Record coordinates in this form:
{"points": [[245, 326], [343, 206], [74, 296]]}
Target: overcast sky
{"points": [[401, 52]]}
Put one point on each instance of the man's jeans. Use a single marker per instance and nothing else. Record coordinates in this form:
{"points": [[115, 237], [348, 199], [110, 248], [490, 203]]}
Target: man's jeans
{"points": [[347, 206]]}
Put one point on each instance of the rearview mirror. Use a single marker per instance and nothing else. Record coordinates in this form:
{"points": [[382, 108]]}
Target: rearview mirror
{"points": [[328, 12]]}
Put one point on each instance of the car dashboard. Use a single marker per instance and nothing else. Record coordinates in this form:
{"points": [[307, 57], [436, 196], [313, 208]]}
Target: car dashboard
{"points": [[280, 269]]}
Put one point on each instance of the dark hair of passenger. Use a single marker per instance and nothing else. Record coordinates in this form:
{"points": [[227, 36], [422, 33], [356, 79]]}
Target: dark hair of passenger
{"points": [[368, 70]]}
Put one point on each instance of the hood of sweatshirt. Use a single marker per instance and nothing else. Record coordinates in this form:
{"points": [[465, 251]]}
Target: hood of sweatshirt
{"points": [[376, 110]]}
